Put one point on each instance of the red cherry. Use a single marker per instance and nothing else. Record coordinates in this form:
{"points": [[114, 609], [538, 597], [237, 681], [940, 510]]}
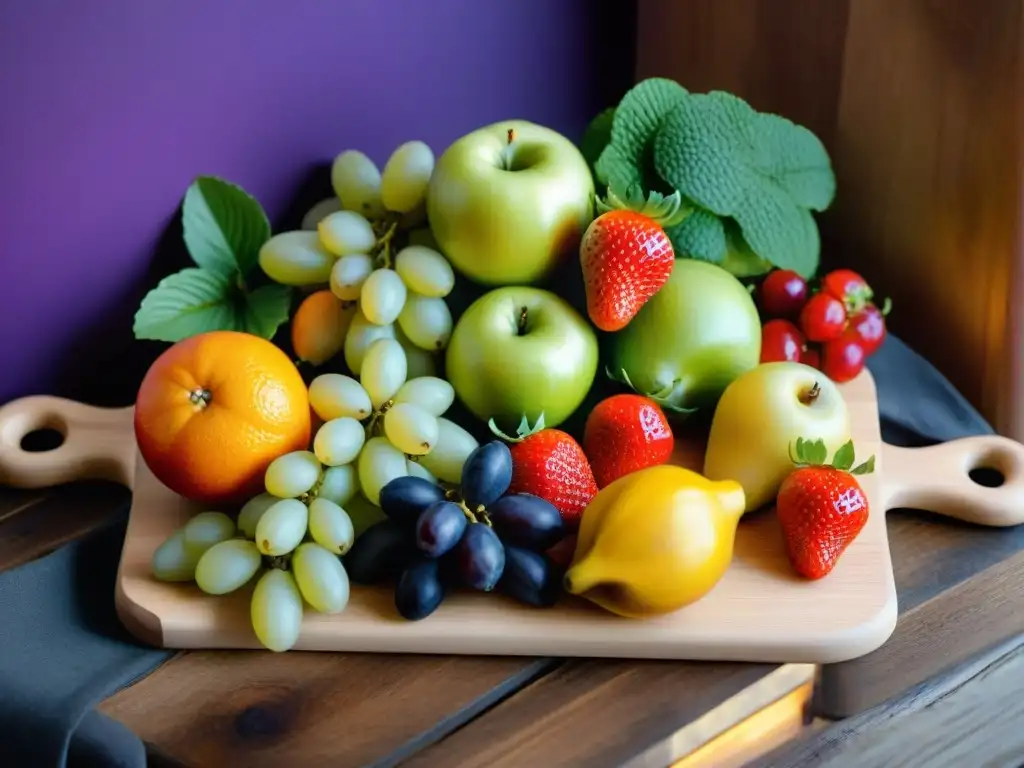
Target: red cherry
{"points": [[823, 318], [781, 341], [849, 287], [811, 357], [783, 293], [869, 326], [843, 358]]}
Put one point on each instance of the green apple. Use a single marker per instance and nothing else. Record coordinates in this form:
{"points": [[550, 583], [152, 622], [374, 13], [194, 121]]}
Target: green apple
{"points": [[690, 340], [758, 420], [507, 212], [521, 351]]}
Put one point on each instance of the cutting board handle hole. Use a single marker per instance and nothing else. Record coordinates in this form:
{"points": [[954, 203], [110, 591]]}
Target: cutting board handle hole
{"points": [[989, 477], [42, 440]]}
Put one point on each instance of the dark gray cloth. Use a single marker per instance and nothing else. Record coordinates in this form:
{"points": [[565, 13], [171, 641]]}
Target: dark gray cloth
{"points": [[62, 649]]}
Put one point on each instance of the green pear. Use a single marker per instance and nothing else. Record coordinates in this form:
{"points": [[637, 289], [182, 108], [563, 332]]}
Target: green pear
{"points": [[758, 420]]}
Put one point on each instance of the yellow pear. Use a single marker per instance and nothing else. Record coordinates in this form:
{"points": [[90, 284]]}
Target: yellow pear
{"points": [[758, 420], [655, 541]]}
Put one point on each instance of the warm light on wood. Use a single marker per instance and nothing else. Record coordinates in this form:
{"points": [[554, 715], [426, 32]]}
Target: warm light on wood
{"points": [[757, 735]]}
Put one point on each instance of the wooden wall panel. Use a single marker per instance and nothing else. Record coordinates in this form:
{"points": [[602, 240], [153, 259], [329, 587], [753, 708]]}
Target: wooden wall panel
{"points": [[920, 103]]}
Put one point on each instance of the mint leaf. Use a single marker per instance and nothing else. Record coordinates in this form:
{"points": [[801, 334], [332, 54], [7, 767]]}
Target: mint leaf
{"points": [[187, 303], [628, 157], [266, 308], [596, 137], [223, 225], [761, 170], [701, 235], [843, 458]]}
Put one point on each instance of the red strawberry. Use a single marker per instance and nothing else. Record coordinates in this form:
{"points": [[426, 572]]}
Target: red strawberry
{"points": [[549, 463], [625, 433], [626, 258], [821, 507]]}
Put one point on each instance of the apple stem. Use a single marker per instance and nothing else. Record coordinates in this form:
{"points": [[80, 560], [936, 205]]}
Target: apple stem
{"points": [[521, 330], [507, 154], [810, 395]]}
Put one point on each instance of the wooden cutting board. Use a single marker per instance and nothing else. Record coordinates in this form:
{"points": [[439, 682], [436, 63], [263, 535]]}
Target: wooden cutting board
{"points": [[759, 611]]}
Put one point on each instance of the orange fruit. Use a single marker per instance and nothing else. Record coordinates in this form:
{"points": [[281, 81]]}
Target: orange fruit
{"points": [[214, 410]]}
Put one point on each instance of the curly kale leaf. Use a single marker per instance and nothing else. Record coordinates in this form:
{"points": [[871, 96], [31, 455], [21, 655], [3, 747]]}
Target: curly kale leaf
{"points": [[759, 169], [628, 159]]}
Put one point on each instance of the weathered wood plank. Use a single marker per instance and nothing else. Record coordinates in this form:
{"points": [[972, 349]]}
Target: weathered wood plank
{"points": [[615, 713], [971, 717], [311, 709]]}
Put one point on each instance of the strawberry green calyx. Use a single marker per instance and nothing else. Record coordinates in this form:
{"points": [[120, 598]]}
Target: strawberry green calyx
{"points": [[667, 397], [813, 453], [666, 211], [886, 307], [523, 431]]}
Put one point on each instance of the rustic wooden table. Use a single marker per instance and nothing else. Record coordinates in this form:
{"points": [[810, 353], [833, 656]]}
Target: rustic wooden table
{"points": [[942, 691]]}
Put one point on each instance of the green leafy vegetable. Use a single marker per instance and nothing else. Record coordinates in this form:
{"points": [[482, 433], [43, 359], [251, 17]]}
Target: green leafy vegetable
{"points": [[596, 137], [223, 228], [627, 159], [701, 235], [759, 169]]}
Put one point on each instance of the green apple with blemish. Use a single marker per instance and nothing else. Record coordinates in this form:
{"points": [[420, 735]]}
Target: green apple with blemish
{"points": [[521, 351], [508, 202]]}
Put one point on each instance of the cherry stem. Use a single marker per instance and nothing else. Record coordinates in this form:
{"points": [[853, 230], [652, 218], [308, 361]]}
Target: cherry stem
{"points": [[521, 330], [810, 395]]}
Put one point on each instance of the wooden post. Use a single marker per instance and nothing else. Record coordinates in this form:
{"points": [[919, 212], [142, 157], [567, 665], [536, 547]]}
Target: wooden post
{"points": [[921, 104]]}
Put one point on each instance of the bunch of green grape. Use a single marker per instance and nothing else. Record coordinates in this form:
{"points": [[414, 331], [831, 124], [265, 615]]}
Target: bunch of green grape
{"points": [[375, 429], [371, 249]]}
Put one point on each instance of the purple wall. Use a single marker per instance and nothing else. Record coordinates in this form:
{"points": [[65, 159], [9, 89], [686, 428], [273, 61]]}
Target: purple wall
{"points": [[109, 108]]}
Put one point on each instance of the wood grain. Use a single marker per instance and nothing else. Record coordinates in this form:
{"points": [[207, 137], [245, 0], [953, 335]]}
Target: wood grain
{"points": [[930, 638], [971, 718], [611, 713], [257, 709]]}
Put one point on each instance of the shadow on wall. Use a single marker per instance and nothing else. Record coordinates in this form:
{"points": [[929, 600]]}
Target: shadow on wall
{"points": [[117, 106]]}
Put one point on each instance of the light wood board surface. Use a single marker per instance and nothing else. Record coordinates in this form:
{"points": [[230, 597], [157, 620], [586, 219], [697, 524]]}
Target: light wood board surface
{"points": [[760, 611]]}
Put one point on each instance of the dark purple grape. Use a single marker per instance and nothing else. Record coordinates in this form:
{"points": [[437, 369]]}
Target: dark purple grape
{"points": [[530, 578], [380, 553], [479, 557], [486, 474], [440, 527], [405, 498], [420, 589], [524, 520]]}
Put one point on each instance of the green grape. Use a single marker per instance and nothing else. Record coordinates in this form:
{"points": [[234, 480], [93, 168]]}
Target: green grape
{"points": [[330, 526], [384, 370], [282, 527], [349, 274], [276, 610], [226, 566], [173, 561], [291, 475], [361, 334], [318, 212], [416, 469], [321, 578], [425, 271], [356, 182], [206, 529], [346, 232], [426, 321], [339, 441], [296, 258], [411, 429], [339, 484], [454, 444], [334, 395], [419, 362], [403, 185], [363, 514], [379, 463], [252, 511], [382, 297], [432, 394]]}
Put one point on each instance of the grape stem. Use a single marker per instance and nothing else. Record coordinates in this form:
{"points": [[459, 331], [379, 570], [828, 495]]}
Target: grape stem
{"points": [[478, 515], [383, 245], [375, 426]]}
